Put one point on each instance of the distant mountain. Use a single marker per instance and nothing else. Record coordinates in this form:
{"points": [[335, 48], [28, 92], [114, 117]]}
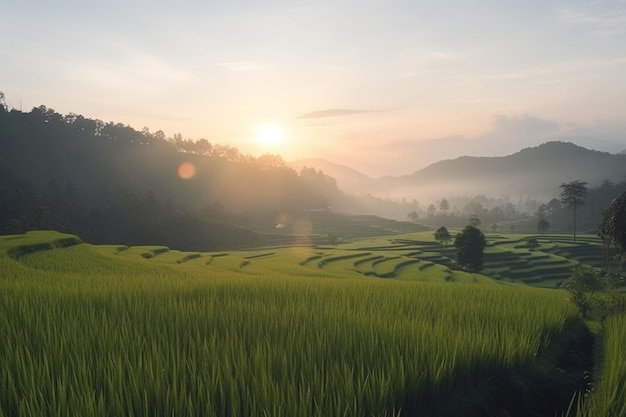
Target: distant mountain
{"points": [[593, 143], [420, 154], [533, 171]]}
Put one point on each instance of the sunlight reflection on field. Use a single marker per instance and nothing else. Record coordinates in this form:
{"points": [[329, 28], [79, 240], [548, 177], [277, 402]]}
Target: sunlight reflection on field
{"points": [[302, 229]]}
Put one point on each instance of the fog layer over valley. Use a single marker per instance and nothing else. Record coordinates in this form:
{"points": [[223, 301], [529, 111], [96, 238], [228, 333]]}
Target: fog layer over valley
{"points": [[531, 172]]}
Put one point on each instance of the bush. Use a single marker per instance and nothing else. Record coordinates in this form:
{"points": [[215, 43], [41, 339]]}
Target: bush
{"points": [[532, 242], [595, 292]]}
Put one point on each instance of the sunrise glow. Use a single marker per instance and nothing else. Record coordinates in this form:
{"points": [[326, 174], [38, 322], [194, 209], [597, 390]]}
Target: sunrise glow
{"points": [[270, 136], [405, 82], [313, 208]]}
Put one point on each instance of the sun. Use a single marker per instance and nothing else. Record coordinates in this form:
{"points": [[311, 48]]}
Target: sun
{"points": [[270, 136]]}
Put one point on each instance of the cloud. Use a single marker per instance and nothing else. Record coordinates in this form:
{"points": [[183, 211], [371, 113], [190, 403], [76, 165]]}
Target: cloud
{"points": [[608, 21], [242, 65], [444, 56], [138, 72], [335, 113], [525, 125]]}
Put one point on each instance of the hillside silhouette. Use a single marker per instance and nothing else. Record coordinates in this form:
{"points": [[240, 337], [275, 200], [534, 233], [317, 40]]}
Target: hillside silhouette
{"points": [[110, 183], [536, 171]]}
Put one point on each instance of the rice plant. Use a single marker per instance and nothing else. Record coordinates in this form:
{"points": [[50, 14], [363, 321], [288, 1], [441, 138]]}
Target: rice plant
{"points": [[87, 331], [607, 399]]}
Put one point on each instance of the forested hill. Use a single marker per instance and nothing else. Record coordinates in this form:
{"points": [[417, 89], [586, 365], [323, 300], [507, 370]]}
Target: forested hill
{"points": [[110, 183], [532, 171]]}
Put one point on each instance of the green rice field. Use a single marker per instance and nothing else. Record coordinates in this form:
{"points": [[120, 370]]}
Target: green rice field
{"points": [[372, 327], [607, 399]]}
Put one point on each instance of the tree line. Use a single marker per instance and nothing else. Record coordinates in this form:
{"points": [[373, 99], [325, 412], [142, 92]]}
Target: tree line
{"points": [[470, 242], [500, 215]]}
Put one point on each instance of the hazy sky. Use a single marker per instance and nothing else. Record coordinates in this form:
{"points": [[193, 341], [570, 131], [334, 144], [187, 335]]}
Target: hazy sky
{"points": [[340, 79]]}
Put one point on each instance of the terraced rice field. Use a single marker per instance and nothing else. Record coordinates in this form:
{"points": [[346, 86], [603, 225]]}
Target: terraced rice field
{"points": [[507, 256], [414, 256], [370, 328]]}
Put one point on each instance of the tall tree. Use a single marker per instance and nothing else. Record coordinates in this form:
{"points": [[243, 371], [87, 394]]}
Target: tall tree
{"points": [[431, 211], [412, 216], [442, 235], [573, 195], [543, 225], [470, 244], [444, 206], [553, 206], [541, 211]]}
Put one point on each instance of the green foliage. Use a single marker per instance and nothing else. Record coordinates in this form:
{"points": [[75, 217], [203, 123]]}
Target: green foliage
{"points": [[532, 243], [595, 292], [470, 244], [20, 208], [573, 193], [607, 399], [612, 230], [93, 331], [442, 235]]}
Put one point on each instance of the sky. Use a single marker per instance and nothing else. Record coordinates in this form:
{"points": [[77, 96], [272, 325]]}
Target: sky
{"points": [[362, 83]]}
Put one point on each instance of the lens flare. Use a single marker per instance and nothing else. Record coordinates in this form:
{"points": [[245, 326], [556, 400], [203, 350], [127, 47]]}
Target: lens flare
{"points": [[186, 170]]}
